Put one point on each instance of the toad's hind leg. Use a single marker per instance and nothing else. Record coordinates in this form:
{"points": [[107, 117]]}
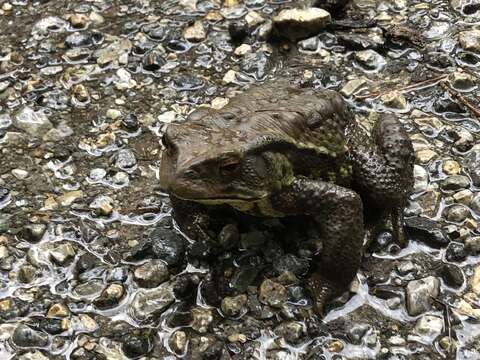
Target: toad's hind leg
{"points": [[341, 214], [383, 169]]}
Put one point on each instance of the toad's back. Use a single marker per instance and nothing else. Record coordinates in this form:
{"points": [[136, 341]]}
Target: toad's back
{"points": [[274, 114]]}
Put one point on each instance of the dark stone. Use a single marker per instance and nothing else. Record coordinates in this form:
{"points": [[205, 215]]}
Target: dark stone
{"points": [[290, 262], [33, 232], [427, 231], [456, 252], [139, 343], [167, 245], [238, 30], [27, 337], [452, 275]]}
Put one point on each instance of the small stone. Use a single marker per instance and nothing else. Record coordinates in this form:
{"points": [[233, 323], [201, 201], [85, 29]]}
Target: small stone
{"points": [[394, 100], [58, 311], [178, 342], [272, 293], [352, 86], [335, 346], [202, 318], [151, 274], [425, 156], [34, 123], [371, 60], [472, 244], [69, 198], [20, 173], [451, 167], [397, 341], [455, 182], [110, 297], [62, 253], [26, 273], [113, 114], [196, 32], [455, 252], [243, 49], [150, 303], [79, 21], [470, 40], [429, 325], [475, 281], [419, 294], [463, 197], [254, 19], [421, 179], [33, 355], [237, 338], [103, 205], [296, 24], [27, 337], [7, 6], [291, 331], [219, 102], [462, 81], [234, 306], [457, 213], [229, 76], [33, 232]]}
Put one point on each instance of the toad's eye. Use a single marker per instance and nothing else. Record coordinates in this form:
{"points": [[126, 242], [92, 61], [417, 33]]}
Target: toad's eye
{"points": [[229, 166]]}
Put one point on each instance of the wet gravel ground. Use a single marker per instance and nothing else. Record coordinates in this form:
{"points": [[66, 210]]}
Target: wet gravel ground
{"points": [[91, 266]]}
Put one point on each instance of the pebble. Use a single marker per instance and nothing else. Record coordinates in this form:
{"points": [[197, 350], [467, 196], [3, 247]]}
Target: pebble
{"points": [[419, 294], [178, 342], [62, 253], [196, 32], [421, 179], [371, 60], [202, 318], [457, 213], [463, 197], [58, 311], [34, 123], [455, 182], [110, 297], [151, 274], [394, 100], [149, 303], [272, 293], [352, 86], [113, 114], [243, 49], [470, 40], [296, 24], [451, 167], [475, 280], [234, 306], [425, 156], [472, 244], [291, 331], [462, 81], [103, 205], [27, 337], [20, 173], [429, 325]]}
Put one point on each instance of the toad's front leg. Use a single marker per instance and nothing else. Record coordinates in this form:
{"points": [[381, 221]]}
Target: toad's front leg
{"points": [[191, 217], [341, 214]]}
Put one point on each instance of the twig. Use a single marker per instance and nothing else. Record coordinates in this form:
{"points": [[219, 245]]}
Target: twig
{"points": [[448, 323], [414, 86], [141, 211], [457, 96]]}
